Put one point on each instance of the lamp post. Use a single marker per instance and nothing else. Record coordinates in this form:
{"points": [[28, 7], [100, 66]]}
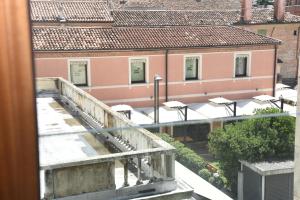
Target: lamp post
{"points": [[157, 78]]}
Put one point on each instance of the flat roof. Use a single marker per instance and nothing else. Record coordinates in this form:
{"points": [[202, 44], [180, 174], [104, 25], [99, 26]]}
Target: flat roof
{"points": [[271, 168], [62, 138]]}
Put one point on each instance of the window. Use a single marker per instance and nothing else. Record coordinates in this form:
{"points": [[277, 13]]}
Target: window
{"points": [[78, 72], [295, 32], [138, 70], [262, 32], [191, 68], [241, 65]]}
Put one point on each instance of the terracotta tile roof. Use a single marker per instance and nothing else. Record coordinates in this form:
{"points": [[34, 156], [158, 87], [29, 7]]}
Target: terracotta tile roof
{"points": [[70, 10], [175, 4], [194, 18], [75, 38]]}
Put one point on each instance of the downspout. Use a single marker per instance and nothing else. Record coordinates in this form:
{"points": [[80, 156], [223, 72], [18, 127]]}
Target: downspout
{"points": [[297, 55], [274, 71], [167, 73]]}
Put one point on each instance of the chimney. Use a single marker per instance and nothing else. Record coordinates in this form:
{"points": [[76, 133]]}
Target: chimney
{"points": [[246, 11], [279, 10]]}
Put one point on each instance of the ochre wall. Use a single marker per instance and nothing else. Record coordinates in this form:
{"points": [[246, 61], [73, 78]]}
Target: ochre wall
{"points": [[287, 51]]}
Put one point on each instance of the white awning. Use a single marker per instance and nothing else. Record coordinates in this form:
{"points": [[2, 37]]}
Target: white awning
{"points": [[220, 100], [264, 98], [174, 104]]}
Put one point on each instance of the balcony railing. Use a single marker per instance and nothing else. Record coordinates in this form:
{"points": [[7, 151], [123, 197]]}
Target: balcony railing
{"points": [[150, 155]]}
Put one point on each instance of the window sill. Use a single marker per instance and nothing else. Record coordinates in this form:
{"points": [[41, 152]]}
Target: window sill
{"points": [[192, 80], [138, 84], [242, 77]]}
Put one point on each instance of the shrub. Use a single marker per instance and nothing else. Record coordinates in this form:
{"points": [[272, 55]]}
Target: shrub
{"points": [[192, 160], [252, 140], [205, 174]]}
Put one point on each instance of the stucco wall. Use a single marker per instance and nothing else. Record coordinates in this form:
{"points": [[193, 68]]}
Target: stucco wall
{"points": [[288, 50], [81, 179], [109, 74]]}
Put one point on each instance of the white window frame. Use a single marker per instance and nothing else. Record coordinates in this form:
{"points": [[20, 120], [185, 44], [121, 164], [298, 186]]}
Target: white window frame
{"points": [[88, 69], [236, 54], [146, 70], [199, 66]]}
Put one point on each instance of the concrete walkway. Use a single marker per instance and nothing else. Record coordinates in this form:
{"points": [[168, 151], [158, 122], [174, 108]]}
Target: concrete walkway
{"points": [[201, 187]]}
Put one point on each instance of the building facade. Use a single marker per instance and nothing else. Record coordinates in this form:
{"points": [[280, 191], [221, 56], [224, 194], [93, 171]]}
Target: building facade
{"points": [[276, 23], [120, 66]]}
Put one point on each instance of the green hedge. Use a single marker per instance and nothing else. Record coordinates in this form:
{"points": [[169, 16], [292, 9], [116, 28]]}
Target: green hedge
{"points": [[193, 161]]}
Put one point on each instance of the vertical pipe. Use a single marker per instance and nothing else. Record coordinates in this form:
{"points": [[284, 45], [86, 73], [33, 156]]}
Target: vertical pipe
{"points": [[263, 181], [157, 102], [185, 113], [281, 104], [129, 114], [126, 174], [155, 97], [234, 109], [167, 74], [297, 55], [274, 71], [139, 169]]}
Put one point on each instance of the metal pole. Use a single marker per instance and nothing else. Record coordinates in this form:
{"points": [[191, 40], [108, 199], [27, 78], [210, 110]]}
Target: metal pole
{"points": [[185, 113], [157, 102], [234, 109], [155, 97], [157, 78]]}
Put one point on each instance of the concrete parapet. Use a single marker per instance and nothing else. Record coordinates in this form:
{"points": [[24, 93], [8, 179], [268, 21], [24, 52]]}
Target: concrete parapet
{"points": [[152, 156]]}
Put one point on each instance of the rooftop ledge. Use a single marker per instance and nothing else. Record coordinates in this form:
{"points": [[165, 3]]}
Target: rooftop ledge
{"points": [[152, 158]]}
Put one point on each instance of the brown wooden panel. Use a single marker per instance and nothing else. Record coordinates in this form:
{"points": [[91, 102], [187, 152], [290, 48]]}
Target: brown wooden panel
{"points": [[18, 137]]}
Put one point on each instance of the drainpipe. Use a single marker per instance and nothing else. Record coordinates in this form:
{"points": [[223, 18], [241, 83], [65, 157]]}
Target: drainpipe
{"points": [[297, 55], [274, 71], [167, 73]]}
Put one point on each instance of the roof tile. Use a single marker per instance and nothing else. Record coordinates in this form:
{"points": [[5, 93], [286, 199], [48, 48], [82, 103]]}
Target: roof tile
{"points": [[194, 18], [70, 10], [75, 38]]}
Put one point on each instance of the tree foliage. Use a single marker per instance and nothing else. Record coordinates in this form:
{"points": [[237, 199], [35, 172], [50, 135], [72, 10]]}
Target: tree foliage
{"points": [[194, 162], [257, 139]]}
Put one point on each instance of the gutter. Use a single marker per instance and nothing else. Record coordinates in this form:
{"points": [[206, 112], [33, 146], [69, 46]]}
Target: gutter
{"points": [[274, 70], [155, 49]]}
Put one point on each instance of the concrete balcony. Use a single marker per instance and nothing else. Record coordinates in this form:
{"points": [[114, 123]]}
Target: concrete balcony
{"points": [[101, 154]]}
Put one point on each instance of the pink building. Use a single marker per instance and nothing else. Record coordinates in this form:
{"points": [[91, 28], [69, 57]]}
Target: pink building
{"points": [[117, 65]]}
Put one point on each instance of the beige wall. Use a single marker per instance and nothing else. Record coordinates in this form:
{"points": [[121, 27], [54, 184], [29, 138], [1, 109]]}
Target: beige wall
{"points": [[286, 51], [109, 74]]}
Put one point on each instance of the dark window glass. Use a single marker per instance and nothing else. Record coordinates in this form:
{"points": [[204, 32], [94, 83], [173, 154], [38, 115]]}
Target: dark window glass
{"points": [[241, 65], [138, 68], [191, 68], [78, 73]]}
